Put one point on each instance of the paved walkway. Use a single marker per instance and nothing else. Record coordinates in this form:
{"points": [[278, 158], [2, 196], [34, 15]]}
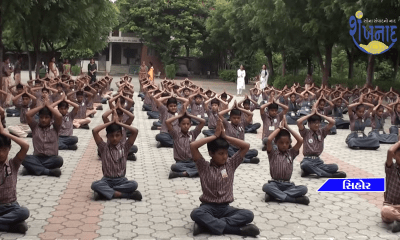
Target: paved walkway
{"points": [[62, 208]]}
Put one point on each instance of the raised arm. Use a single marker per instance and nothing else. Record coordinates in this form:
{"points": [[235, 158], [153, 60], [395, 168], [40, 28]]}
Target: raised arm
{"points": [[20, 157], [391, 154], [302, 119]]}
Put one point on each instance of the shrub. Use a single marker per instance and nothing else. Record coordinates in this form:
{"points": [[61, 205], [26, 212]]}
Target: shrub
{"points": [[75, 70], [279, 82], [228, 75], [170, 71]]}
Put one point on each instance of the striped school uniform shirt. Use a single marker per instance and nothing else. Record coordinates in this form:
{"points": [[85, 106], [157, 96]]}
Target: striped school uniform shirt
{"points": [[392, 193], [114, 158], [216, 186], [269, 121], [164, 115], [182, 143], [236, 131], [81, 114], [197, 109], [212, 119], [8, 180], [313, 142], [45, 140], [281, 163], [67, 126]]}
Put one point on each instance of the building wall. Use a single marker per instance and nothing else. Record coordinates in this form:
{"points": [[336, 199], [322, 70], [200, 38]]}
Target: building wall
{"points": [[157, 64]]}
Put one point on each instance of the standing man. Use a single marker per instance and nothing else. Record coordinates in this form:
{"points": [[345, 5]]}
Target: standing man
{"points": [[92, 68], [264, 77], [17, 70]]}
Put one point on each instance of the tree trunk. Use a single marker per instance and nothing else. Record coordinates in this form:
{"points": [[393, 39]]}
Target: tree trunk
{"points": [[283, 63], [187, 55], [270, 64], [37, 51], [370, 69], [328, 64], [396, 65], [27, 50], [321, 64], [309, 67], [350, 58]]}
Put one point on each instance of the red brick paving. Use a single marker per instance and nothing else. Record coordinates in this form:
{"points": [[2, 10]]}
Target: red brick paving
{"points": [[77, 215]]}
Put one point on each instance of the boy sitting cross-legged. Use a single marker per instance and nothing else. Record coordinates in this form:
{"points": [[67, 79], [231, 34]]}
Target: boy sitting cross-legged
{"points": [[214, 214], [114, 155]]}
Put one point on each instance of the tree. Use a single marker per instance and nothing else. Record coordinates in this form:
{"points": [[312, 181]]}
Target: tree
{"points": [[166, 25], [62, 24]]}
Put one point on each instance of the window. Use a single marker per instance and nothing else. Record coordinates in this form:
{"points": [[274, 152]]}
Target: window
{"points": [[115, 33], [151, 52]]}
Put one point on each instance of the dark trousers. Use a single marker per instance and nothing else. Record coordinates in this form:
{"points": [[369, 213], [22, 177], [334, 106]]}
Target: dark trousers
{"points": [[394, 130], [157, 123], [153, 115], [141, 95], [107, 186], [221, 218], [65, 141], [317, 166], [103, 101], [279, 190], [252, 128], [11, 214], [185, 166], [165, 139], [92, 78], [249, 155], [40, 165], [11, 112], [146, 107], [209, 132]]}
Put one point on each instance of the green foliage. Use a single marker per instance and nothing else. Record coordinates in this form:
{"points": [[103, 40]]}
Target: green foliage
{"points": [[71, 53], [228, 75], [166, 25], [75, 70], [170, 71]]}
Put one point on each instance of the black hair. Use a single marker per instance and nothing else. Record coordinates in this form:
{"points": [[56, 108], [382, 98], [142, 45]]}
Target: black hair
{"points": [[380, 107], [45, 89], [171, 100], [157, 91], [87, 88], [121, 100], [217, 144], [183, 117], [314, 118], [235, 112], [273, 106], [113, 128], [45, 112], [119, 112], [283, 133], [79, 93], [224, 95], [71, 81], [25, 95], [246, 102], [165, 94], [322, 100], [38, 81], [215, 101], [292, 94], [197, 96], [59, 85], [5, 141], [63, 104], [151, 63], [175, 87], [19, 86], [359, 106]]}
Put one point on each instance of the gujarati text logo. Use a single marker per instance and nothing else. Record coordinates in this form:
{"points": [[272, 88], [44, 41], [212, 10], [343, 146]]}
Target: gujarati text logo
{"points": [[377, 39]]}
